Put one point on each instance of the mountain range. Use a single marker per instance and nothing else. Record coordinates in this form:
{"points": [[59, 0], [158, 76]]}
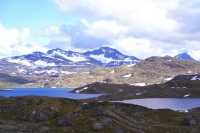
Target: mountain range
{"points": [[61, 68], [103, 57]]}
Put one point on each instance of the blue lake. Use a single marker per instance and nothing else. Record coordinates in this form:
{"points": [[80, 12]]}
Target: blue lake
{"points": [[181, 104], [50, 92]]}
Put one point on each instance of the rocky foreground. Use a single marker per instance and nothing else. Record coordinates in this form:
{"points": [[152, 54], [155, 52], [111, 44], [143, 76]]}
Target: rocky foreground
{"points": [[50, 115]]}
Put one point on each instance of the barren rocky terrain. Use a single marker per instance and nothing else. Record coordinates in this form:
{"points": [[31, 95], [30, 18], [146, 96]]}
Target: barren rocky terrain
{"points": [[153, 70]]}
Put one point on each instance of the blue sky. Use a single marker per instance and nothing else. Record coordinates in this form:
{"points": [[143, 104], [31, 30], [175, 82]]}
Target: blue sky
{"points": [[136, 27], [34, 15], [31, 13]]}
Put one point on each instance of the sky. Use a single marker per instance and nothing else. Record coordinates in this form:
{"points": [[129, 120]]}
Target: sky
{"points": [[141, 28]]}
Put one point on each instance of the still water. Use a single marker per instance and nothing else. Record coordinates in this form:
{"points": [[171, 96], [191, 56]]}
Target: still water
{"points": [[50, 92], [166, 103]]}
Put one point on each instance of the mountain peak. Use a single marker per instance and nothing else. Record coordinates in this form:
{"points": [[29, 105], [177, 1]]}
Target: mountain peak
{"points": [[111, 56], [55, 50], [104, 50], [184, 57], [107, 48]]}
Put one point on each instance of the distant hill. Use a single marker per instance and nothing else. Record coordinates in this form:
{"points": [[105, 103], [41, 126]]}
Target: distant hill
{"points": [[152, 70], [181, 86], [184, 57]]}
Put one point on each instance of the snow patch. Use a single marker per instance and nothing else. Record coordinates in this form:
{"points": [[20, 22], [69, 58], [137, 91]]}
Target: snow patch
{"points": [[102, 58], [85, 88], [112, 72], [139, 84], [168, 79], [77, 59], [131, 65], [189, 72], [67, 72], [187, 95], [73, 58], [127, 76], [41, 63], [20, 61], [78, 91], [138, 94], [195, 78], [46, 71]]}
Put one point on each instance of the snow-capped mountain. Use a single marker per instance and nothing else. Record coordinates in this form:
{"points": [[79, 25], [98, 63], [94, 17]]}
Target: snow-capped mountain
{"points": [[111, 57], [36, 59], [184, 57], [69, 56], [104, 56]]}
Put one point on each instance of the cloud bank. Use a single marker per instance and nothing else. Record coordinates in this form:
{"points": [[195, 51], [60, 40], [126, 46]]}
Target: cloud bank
{"points": [[15, 41], [141, 28]]}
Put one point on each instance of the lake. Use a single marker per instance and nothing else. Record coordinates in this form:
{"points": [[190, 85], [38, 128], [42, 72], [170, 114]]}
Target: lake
{"points": [[180, 104], [50, 92]]}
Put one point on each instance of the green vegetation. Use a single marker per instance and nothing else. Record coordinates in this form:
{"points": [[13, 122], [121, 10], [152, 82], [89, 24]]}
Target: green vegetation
{"points": [[42, 114]]}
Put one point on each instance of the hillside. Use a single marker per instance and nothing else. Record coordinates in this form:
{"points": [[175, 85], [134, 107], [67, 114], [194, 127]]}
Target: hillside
{"points": [[183, 86], [42, 115], [153, 70]]}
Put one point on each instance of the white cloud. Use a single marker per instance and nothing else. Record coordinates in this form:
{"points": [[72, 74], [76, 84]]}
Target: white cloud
{"points": [[193, 48], [105, 29], [13, 36], [140, 27], [150, 16], [134, 46], [56, 37], [16, 41]]}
